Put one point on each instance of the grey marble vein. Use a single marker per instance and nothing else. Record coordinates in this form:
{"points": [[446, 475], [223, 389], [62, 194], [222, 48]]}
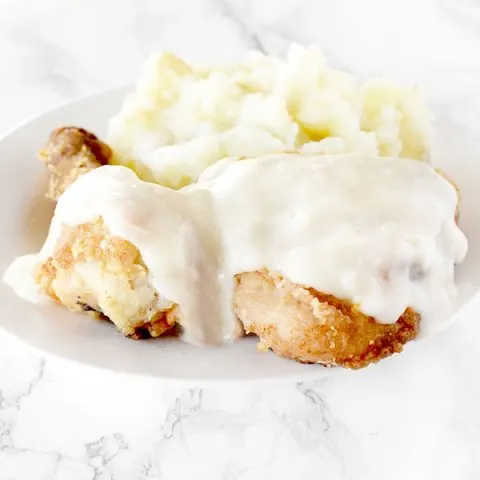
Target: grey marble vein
{"points": [[234, 12]]}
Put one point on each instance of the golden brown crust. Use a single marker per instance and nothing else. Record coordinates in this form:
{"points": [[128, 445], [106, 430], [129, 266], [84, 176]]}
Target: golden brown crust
{"points": [[70, 153], [312, 327], [103, 275]]}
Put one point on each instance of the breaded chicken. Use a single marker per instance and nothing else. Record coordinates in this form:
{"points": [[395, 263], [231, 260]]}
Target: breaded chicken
{"points": [[312, 327], [104, 275], [95, 272], [70, 153]]}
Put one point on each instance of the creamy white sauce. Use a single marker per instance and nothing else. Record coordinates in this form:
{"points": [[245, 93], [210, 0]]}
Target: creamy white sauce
{"points": [[379, 232]]}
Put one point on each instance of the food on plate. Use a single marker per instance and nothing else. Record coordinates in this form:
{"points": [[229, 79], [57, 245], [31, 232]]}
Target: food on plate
{"points": [[331, 259], [182, 118], [281, 198], [70, 153]]}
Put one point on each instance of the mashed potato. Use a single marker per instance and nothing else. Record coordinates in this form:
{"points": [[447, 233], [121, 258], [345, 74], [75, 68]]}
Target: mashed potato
{"points": [[183, 118]]}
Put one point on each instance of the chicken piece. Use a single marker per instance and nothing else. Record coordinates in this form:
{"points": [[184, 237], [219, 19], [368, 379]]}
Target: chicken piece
{"points": [[104, 275], [95, 272], [312, 327], [70, 153]]}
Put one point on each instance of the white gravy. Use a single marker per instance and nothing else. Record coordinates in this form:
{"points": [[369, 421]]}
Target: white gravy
{"points": [[377, 231]]}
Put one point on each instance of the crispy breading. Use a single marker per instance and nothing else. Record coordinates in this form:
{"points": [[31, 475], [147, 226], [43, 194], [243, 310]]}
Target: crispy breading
{"points": [[70, 153], [105, 276], [312, 327]]}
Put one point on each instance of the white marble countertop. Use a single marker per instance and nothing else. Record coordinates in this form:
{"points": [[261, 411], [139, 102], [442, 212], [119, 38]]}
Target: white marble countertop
{"points": [[418, 418]]}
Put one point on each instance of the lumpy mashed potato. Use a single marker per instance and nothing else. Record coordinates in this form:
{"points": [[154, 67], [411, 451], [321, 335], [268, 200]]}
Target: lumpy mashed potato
{"points": [[183, 118]]}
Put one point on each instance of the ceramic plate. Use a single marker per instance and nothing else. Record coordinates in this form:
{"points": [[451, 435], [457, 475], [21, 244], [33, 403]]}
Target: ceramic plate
{"points": [[25, 216]]}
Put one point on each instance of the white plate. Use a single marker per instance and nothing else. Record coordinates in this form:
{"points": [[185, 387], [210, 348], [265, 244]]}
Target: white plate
{"points": [[25, 217]]}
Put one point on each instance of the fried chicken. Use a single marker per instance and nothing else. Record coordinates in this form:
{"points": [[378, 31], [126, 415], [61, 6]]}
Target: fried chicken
{"points": [[103, 275], [70, 153], [312, 327]]}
